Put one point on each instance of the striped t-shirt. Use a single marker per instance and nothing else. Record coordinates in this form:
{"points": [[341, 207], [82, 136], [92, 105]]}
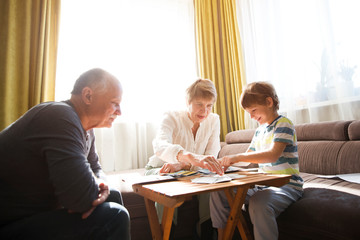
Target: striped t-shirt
{"points": [[280, 130]]}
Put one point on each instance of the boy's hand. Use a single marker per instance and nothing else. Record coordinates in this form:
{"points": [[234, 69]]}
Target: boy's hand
{"points": [[227, 161]]}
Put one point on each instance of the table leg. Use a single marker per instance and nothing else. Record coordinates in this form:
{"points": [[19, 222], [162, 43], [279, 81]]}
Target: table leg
{"points": [[153, 219], [236, 218], [166, 221], [159, 231]]}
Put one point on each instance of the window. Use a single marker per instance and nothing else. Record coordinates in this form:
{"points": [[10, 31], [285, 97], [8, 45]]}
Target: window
{"points": [[309, 51], [149, 46]]}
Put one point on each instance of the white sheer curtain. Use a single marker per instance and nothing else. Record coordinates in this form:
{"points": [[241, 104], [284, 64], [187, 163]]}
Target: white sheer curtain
{"points": [[309, 50], [150, 46]]}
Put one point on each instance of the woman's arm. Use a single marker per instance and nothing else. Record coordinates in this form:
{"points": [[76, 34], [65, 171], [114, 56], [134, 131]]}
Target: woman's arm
{"points": [[175, 156], [164, 148]]}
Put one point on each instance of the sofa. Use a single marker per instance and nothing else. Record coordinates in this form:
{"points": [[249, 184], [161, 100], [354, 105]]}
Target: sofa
{"points": [[329, 208]]}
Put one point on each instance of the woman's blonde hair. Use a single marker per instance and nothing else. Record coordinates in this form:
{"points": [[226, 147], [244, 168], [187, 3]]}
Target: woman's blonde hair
{"points": [[201, 88], [256, 93]]}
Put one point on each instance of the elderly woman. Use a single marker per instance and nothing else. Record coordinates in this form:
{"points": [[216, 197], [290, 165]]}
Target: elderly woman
{"points": [[189, 139]]}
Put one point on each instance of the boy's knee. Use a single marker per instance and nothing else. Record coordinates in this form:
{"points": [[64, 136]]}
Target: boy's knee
{"points": [[259, 202], [216, 200]]}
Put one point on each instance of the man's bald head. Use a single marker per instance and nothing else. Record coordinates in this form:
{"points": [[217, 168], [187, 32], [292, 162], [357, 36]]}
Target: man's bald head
{"points": [[97, 79]]}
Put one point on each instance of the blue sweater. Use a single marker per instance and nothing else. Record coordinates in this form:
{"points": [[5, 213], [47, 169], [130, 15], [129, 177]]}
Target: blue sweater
{"points": [[47, 161]]}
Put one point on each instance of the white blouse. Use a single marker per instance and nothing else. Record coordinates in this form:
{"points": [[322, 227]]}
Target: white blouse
{"points": [[175, 134]]}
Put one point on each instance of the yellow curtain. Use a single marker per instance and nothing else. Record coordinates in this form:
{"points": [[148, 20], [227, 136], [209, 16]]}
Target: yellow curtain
{"points": [[220, 58], [28, 43]]}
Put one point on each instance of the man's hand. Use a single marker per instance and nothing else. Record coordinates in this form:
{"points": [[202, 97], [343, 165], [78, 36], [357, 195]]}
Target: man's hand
{"points": [[104, 192]]}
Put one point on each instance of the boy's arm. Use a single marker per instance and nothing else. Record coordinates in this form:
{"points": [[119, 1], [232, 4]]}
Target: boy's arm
{"points": [[266, 156]]}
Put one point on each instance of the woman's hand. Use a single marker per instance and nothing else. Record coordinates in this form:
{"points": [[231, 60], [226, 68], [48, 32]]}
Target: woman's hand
{"points": [[173, 167], [210, 162], [203, 161]]}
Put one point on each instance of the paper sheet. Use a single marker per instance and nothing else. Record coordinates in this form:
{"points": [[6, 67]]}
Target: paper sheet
{"points": [[351, 177], [230, 169], [136, 179], [217, 178]]}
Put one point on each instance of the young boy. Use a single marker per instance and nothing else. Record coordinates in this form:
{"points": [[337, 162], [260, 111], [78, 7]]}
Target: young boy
{"points": [[274, 148]]}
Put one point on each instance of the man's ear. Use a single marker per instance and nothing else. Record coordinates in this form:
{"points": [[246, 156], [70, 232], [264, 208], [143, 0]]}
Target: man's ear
{"points": [[86, 95], [269, 102]]}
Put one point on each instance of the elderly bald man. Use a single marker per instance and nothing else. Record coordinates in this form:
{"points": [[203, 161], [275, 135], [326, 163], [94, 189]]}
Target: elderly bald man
{"points": [[52, 185]]}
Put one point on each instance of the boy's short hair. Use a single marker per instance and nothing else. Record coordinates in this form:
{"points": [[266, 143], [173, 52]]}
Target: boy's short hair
{"points": [[257, 92], [201, 88]]}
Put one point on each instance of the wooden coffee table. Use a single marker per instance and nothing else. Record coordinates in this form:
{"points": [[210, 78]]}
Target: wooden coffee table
{"points": [[172, 194]]}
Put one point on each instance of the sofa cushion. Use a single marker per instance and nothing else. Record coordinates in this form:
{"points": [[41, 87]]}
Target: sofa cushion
{"points": [[349, 158], [327, 210], [231, 149], [354, 130], [240, 136], [332, 130], [319, 157], [322, 214]]}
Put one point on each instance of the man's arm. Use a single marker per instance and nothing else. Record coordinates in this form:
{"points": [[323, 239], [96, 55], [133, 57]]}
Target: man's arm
{"points": [[93, 157], [64, 150]]}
